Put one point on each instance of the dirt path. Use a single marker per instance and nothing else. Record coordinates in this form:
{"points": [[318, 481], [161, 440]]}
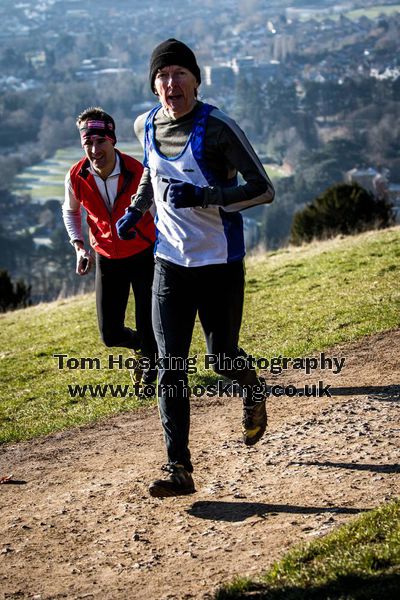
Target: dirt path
{"points": [[83, 526]]}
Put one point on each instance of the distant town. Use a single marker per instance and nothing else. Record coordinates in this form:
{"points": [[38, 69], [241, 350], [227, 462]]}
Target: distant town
{"points": [[305, 42], [315, 86]]}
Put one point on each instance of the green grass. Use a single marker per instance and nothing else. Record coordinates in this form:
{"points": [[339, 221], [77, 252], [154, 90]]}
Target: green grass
{"points": [[298, 301], [34, 393], [374, 11], [306, 299], [358, 561], [371, 12]]}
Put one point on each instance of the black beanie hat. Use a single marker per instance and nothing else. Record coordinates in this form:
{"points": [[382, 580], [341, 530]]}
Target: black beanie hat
{"points": [[172, 52]]}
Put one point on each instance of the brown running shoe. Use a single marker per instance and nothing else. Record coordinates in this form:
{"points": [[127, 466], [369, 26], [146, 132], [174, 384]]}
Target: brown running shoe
{"points": [[179, 482], [255, 420]]}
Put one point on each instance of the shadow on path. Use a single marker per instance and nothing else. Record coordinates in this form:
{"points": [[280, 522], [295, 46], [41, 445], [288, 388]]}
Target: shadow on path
{"points": [[10, 481], [378, 392], [395, 468], [388, 393], [239, 511]]}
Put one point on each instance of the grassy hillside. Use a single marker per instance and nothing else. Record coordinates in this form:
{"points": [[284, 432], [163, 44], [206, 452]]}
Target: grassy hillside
{"points": [[298, 301], [359, 561]]}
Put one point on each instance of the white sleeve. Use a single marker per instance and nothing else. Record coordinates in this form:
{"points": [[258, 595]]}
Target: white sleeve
{"points": [[71, 210]]}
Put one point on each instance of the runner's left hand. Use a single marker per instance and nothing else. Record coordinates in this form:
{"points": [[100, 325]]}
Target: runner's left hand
{"points": [[185, 195], [126, 223]]}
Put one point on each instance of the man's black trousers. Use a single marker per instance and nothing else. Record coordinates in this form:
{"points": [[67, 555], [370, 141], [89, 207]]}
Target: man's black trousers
{"points": [[215, 293], [114, 279]]}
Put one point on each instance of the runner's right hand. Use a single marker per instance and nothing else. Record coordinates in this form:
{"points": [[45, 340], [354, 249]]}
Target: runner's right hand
{"points": [[83, 261]]}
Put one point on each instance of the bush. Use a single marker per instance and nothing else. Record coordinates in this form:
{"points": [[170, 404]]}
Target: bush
{"points": [[13, 296], [343, 208]]}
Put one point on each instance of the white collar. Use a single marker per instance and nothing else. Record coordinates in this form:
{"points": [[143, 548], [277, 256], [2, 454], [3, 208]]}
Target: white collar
{"points": [[114, 172]]}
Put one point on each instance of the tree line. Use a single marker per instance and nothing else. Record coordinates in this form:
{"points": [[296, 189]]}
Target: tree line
{"points": [[287, 123]]}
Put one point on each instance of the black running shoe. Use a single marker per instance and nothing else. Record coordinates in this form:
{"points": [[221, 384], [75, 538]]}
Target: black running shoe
{"points": [[137, 372], [149, 376], [255, 420], [179, 482]]}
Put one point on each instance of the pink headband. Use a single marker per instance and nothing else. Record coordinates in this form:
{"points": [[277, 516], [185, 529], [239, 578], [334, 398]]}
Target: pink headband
{"points": [[98, 127]]}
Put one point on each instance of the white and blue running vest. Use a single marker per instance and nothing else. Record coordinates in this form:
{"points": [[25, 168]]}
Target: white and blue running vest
{"points": [[191, 237]]}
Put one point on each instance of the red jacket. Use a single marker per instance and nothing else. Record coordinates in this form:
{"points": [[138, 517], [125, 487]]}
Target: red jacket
{"points": [[102, 232]]}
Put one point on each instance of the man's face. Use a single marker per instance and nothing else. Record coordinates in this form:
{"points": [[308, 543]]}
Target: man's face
{"points": [[101, 153], [176, 87]]}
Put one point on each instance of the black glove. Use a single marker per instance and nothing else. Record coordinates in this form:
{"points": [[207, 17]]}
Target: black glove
{"points": [[185, 195], [124, 224]]}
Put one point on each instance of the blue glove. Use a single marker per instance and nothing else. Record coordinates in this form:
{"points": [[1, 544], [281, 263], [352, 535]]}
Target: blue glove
{"points": [[124, 224], [185, 195]]}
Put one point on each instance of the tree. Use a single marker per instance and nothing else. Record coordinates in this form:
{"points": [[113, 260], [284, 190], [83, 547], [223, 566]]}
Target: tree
{"points": [[276, 223], [343, 208], [323, 173], [12, 295], [249, 108]]}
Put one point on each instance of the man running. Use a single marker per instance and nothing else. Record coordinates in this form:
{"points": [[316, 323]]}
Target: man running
{"points": [[103, 182], [193, 153]]}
